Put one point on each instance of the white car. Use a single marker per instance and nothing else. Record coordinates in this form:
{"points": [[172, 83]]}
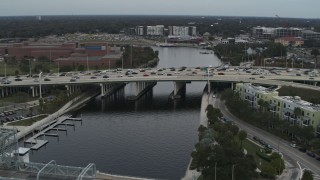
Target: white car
{"points": [[213, 96]]}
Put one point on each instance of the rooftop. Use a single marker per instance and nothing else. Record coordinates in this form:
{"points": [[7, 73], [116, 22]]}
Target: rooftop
{"points": [[299, 102]]}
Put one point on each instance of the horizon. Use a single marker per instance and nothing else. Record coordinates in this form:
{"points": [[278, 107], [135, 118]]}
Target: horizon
{"points": [[246, 8]]}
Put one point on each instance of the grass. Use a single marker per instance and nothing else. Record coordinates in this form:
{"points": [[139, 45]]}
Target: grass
{"points": [[27, 122], [16, 98], [252, 149]]}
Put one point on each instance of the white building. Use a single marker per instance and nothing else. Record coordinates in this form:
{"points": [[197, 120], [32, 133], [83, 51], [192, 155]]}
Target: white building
{"points": [[182, 31], [155, 30]]}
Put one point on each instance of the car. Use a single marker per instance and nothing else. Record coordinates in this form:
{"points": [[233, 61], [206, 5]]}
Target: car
{"points": [[63, 74], [93, 77], [73, 80], [119, 75], [105, 76], [47, 79], [7, 81], [169, 74], [311, 154], [153, 73], [252, 78], [262, 77], [130, 75], [145, 74], [36, 80], [318, 158], [133, 72], [160, 73], [293, 145], [220, 73], [311, 78], [303, 149], [268, 146], [213, 96], [76, 77], [256, 138], [194, 72], [18, 79]]}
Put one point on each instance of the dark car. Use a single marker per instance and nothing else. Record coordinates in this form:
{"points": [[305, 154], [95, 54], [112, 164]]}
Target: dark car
{"points": [[169, 74], [47, 79], [311, 154], [303, 149], [256, 138], [18, 79], [105, 76], [93, 77]]}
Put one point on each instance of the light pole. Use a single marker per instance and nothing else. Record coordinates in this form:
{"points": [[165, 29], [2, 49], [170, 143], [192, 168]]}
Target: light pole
{"points": [[30, 68], [209, 88], [87, 64], [122, 62], [215, 171], [58, 67], [233, 171], [40, 85]]}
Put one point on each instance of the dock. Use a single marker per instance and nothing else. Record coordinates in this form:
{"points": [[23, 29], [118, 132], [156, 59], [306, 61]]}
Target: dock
{"points": [[52, 126]]}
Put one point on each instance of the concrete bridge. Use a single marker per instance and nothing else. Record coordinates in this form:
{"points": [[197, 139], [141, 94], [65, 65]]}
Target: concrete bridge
{"points": [[144, 81]]}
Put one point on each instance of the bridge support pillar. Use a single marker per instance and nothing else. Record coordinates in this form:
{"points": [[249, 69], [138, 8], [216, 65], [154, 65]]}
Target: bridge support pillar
{"points": [[2, 92], [108, 88], [140, 89], [232, 86], [209, 86], [68, 90], [32, 90], [179, 87]]}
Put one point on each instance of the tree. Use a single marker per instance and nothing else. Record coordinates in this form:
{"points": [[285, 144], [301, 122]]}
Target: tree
{"points": [[315, 53], [307, 175], [234, 129], [81, 67], [242, 136], [66, 68], [268, 171], [297, 111], [278, 164]]}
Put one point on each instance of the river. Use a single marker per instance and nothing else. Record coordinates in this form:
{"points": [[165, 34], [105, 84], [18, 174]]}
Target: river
{"points": [[152, 137]]}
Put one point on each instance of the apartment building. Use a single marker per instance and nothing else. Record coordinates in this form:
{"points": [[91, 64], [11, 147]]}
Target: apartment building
{"points": [[252, 93], [293, 109]]}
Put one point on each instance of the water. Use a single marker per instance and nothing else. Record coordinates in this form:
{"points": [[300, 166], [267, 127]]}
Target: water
{"points": [[149, 138]]}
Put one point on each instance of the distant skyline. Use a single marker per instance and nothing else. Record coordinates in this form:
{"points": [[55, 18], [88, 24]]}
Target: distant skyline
{"points": [[260, 8]]}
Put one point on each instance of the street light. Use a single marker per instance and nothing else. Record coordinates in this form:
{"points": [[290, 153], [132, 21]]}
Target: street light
{"points": [[30, 68], [233, 171], [209, 66], [40, 84]]}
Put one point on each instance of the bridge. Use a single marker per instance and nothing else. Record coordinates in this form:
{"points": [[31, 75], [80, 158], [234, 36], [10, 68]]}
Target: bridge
{"points": [[110, 82]]}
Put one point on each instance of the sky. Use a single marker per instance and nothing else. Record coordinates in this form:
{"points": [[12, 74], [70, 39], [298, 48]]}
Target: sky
{"points": [[260, 8]]}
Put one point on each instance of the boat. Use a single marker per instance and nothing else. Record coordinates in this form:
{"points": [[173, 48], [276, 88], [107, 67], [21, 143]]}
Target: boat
{"points": [[166, 45], [204, 52]]}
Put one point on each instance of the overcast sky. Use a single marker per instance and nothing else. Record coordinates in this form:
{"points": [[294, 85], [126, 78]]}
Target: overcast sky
{"points": [[266, 8]]}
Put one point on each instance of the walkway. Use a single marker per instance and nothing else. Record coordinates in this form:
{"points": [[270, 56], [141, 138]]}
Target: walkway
{"points": [[206, 99]]}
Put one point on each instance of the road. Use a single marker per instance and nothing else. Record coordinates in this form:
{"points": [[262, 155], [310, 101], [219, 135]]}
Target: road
{"points": [[167, 74], [291, 155]]}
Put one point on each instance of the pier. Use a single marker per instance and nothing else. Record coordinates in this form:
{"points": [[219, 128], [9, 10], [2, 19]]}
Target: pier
{"points": [[38, 143]]}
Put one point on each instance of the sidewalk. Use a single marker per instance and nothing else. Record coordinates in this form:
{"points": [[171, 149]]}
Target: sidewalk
{"points": [[206, 99]]}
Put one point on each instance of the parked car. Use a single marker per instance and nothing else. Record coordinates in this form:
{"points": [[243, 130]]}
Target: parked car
{"points": [[303, 149], [311, 154]]}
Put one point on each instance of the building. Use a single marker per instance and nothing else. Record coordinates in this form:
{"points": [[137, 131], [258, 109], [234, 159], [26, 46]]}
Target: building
{"points": [[284, 107], [182, 31], [253, 93], [26, 50], [141, 30], [308, 34], [157, 30], [293, 41], [270, 33]]}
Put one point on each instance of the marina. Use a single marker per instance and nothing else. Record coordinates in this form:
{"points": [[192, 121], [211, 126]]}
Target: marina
{"points": [[35, 140]]}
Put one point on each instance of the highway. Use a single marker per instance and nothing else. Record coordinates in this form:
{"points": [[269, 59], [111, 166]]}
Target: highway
{"points": [[190, 74], [291, 154]]}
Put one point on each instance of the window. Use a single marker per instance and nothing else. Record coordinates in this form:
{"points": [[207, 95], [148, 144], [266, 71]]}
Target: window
{"points": [[278, 103], [284, 105]]}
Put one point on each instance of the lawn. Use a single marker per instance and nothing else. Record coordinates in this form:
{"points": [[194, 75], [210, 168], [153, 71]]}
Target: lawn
{"points": [[252, 149], [27, 122]]}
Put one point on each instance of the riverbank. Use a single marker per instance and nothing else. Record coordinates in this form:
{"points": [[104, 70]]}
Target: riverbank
{"points": [[207, 98]]}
